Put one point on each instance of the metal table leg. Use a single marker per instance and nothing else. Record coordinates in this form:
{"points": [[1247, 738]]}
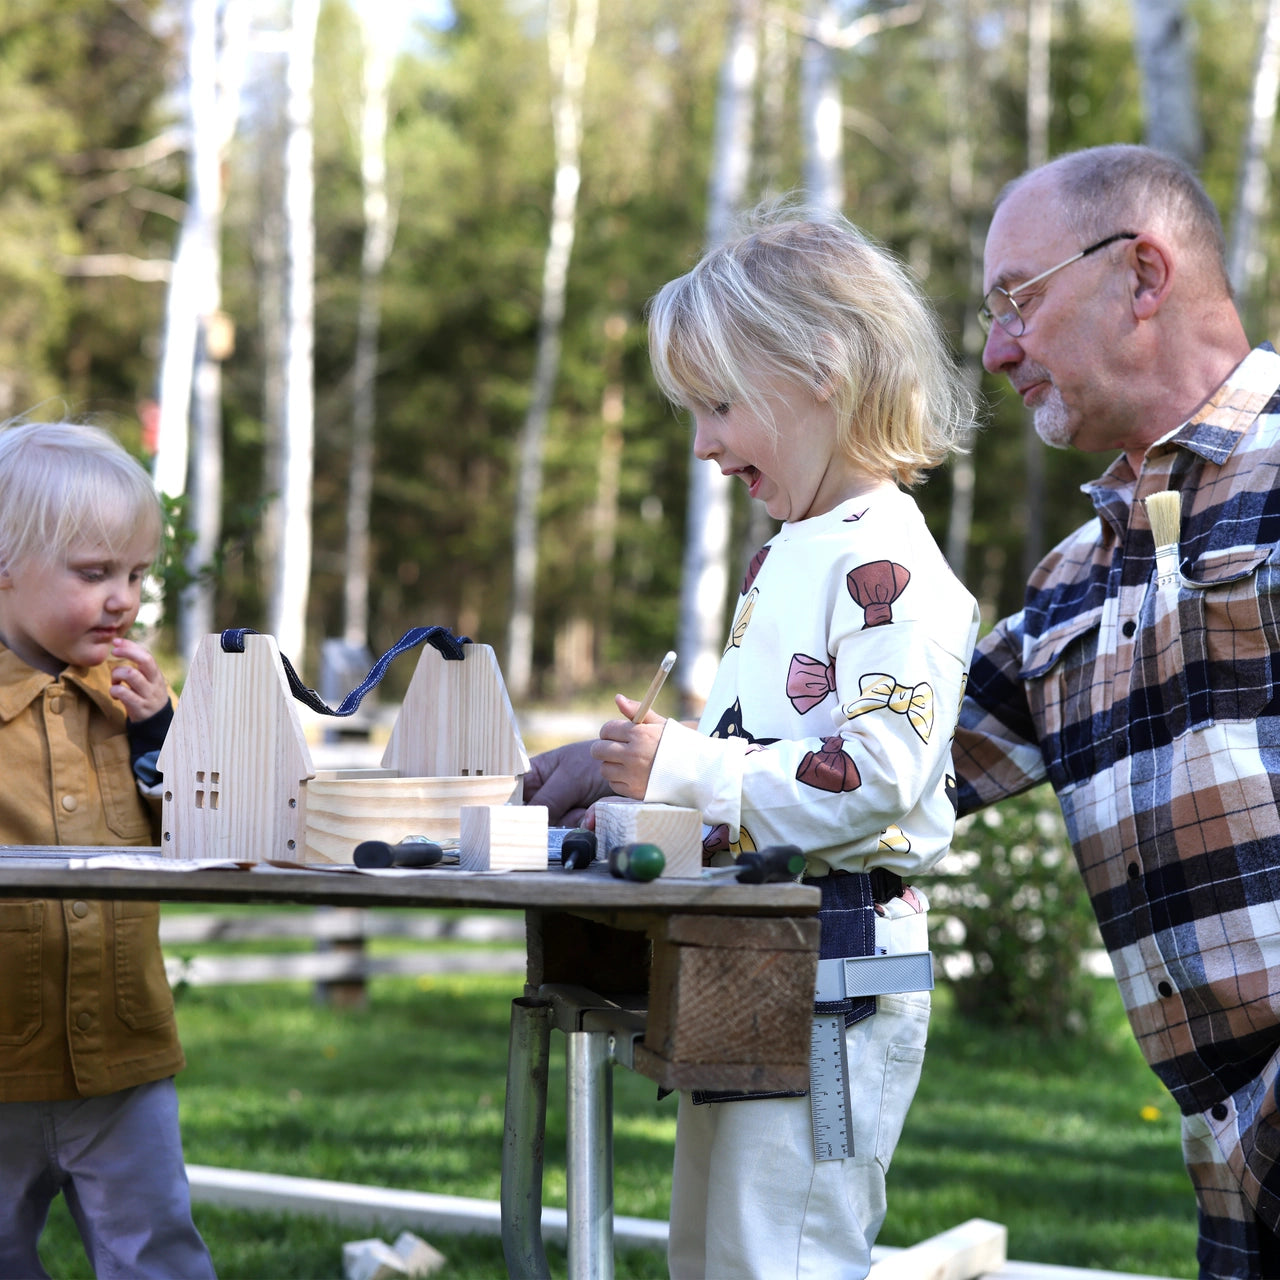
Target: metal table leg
{"points": [[589, 1133], [524, 1139]]}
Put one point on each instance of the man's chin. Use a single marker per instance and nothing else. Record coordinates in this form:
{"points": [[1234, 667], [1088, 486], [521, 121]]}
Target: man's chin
{"points": [[1052, 424]]}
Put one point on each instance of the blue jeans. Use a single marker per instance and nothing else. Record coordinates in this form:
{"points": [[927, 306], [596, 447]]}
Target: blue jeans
{"points": [[118, 1161]]}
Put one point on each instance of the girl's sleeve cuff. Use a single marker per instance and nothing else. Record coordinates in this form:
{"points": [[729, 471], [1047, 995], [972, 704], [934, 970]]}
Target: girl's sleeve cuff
{"points": [[698, 772]]}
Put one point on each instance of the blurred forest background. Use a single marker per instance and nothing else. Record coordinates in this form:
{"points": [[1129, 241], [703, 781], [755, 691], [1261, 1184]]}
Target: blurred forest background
{"points": [[324, 316]]}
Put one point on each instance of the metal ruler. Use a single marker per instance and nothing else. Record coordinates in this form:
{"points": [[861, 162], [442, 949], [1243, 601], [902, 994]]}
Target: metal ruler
{"points": [[829, 1090]]}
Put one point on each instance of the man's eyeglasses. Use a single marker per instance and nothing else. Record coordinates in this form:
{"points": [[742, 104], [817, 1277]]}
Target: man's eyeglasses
{"points": [[998, 307]]}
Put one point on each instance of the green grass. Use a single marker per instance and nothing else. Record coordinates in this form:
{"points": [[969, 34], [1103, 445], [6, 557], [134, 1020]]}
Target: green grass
{"points": [[1049, 1138]]}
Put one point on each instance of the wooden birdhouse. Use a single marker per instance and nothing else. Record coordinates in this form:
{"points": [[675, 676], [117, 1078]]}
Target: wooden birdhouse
{"points": [[239, 781]]}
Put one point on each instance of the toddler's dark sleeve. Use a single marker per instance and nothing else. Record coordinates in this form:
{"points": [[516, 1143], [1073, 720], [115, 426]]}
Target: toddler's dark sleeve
{"points": [[146, 737]]}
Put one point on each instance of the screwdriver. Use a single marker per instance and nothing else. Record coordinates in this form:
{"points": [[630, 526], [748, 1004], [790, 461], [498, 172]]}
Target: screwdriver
{"points": [[773, 865], [636, 862], [412, 851]]}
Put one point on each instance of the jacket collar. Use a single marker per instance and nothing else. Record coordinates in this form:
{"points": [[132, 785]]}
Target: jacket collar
{"points": [[21, 685]]}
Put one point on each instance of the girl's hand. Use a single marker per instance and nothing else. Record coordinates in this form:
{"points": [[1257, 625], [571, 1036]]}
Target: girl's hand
{"points": [[626, 751], [136, 683]]}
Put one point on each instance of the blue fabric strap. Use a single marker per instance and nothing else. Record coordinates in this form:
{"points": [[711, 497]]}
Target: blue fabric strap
{"points": [[848, 919], [442, 639]]}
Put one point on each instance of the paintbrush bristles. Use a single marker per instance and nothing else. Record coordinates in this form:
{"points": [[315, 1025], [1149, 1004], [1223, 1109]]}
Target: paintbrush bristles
{"points": [[1164, 510]]}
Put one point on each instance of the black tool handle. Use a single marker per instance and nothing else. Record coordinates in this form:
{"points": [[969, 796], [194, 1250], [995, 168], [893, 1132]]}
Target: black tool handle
{"points": [[773, 865], [578, 849], [408, 853]]}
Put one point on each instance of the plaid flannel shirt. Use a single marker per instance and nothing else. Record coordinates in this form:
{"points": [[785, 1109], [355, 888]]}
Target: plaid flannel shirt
{"points": [[1154, 711]]}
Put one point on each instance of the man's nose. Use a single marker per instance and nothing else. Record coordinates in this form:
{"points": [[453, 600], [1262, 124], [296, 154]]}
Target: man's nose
{"points": [[1001, 349]]}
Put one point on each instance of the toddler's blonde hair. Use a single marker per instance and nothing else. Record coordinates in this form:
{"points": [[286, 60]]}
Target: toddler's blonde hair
{"points": [[811, 299], [66, 483]]}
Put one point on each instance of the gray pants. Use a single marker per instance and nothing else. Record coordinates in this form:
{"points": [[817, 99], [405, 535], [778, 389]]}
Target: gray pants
{"points": [[118, 1161]]}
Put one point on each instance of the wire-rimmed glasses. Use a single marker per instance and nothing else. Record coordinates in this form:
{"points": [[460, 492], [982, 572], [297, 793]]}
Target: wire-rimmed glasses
{"points": [[999, 307]]}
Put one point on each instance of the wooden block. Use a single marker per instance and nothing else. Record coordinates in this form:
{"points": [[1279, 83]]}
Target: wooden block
{"points": [[676, 831], [503, 837], [344, 810], [974, 1248], [696, 1037]]}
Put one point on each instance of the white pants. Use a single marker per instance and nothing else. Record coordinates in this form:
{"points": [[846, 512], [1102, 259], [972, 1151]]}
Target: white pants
{"points": [[748, 1200]]}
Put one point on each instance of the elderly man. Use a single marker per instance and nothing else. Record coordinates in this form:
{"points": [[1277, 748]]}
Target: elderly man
{"points": [[1146, 694]]}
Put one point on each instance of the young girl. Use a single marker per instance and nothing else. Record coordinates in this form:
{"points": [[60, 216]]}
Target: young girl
{"points": [[816, 373]]}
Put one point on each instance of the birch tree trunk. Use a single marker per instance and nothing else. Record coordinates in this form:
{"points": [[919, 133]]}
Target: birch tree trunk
{"points": [[705, 576], [289, 605], [569, 46], [1039, 31], [959, 76], [1244, 260], [1162, 38], [822, 110], [191, 256], [382, 32], [211, 141]]}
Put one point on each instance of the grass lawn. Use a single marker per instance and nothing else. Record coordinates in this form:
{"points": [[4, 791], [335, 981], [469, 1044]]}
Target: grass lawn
{"points": [[1073, 1145]]}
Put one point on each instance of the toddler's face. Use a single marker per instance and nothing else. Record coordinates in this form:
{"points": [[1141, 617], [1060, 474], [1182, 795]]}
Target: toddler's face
{"points": [[60, 611]]}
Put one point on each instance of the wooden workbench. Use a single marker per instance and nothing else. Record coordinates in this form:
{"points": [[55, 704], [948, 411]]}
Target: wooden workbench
{"points": [[725, 971]]}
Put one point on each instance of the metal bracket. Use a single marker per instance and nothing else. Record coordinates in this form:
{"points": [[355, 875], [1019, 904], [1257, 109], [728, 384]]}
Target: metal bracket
{"points": [[575, 1008], [874, 975]]}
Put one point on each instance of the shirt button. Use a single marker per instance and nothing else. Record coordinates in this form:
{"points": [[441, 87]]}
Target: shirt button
{"points": [[1219, 1112], [1129, 628], [1164, 988], [79, 910], [84, 1021], [55, 705], [1133, 871], [69, 803]]}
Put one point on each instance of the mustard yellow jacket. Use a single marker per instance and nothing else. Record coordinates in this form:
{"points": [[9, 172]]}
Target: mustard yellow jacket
{"points": [[85, 1008]]}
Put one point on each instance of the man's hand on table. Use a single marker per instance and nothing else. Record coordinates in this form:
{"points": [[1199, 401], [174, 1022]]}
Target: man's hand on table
{"points": [[568, 781]]}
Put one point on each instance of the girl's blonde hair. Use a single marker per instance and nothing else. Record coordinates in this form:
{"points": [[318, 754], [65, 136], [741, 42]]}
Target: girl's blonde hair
{"points": [[811, 299], [64, 483]]}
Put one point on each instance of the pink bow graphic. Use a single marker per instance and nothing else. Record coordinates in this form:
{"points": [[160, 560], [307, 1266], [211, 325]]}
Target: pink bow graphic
{"points": [[809, 681]]}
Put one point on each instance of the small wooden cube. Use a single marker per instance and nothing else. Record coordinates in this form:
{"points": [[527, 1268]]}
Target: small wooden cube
{"points": [[676, 831], [502, 837]]}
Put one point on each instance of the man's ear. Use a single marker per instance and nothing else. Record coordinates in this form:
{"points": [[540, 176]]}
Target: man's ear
{"points": [[1150, 264]]}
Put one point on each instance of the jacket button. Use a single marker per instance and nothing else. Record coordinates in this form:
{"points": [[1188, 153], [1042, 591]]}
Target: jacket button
{"points": [[1129, 628], [79, 910], [69, 803], [1164, 989], [1219, 1112], [84, 1021]]}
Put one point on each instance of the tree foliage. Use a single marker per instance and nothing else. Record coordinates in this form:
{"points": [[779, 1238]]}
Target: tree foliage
{"points": [[85, 87]]}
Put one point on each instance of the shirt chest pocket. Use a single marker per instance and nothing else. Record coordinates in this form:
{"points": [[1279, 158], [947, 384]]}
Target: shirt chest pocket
{"points": [[1207, 643], [1058, 672], [124, 809]]}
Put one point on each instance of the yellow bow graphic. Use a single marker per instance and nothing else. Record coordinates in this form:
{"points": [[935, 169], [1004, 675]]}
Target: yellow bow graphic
{"points": [[894, 840], [741, 622], [913, 701]]}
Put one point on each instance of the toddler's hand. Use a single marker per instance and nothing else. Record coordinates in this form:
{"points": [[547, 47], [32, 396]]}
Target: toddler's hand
{"points": [[626, 751], [136, 682]]}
